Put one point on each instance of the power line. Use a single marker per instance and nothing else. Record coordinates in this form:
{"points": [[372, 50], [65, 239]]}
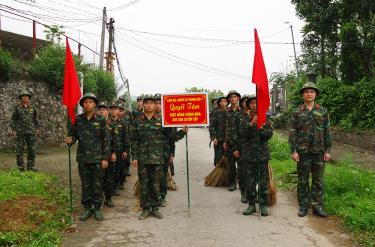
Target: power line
{"points": [[48, 26], [124, 5]]}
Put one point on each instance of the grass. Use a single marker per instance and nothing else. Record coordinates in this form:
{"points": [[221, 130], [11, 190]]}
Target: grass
{"points": [[349, 190], [34, 209]]}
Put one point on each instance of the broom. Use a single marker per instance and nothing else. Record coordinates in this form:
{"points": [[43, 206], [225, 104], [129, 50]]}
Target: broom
{"points": [[218, 176], [171, 183], [272, 191], [137, 194]]}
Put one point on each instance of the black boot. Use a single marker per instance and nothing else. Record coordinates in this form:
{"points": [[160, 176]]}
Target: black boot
{"points": [[302, 212], [319, 211], [109, 203]]}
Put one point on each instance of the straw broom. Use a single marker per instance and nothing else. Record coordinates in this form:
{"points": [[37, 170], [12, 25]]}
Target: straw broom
{"points": [[219, 175], [272, 191], [137, 194], [171, 183]]}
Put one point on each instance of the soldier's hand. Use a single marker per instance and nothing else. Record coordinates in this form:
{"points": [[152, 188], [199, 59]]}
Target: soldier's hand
{"points": [[215, 142], [13, 133], [104, 164], [236, 154], [124, 155], [327, 157], [295, 157], [170, 160], [135, 163], [185, 129], [68, 140], [225, 146], [254, 121], [113, 157]]}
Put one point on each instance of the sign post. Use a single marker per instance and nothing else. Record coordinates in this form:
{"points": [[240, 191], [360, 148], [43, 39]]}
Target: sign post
{"points": [[184, 110]]}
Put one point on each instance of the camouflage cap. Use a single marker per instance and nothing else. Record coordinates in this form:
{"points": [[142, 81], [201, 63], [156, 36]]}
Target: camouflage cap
{"points": [[251, 97], [88, 95], [121, 98], [113, 104], [121, 106], [213, 100], [157, 96], [24, 93], [244, 97], [102, 104], [233, 92], [309, 85], [140, 98], [148, 97]]}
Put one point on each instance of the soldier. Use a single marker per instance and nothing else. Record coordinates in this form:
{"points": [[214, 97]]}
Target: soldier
{"points": [[255, 164], [310, 140], [243, 101], [218, 128], [91, 132], [24, 123], [233, 110], [126, 117], [103, 110], [138, 112], [214, 105], [120, 147], [148, 148]]}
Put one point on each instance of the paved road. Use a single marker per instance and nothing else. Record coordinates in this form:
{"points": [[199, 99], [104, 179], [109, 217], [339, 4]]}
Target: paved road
{"points": [[215, 218]]}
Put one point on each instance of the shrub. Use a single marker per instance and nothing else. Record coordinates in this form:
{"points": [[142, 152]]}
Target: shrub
{"points": [[7, 65]]}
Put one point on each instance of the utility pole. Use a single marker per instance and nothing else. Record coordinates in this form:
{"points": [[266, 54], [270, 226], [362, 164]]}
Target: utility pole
{"points": [[102, 39], [110, 55], [294, 49]]}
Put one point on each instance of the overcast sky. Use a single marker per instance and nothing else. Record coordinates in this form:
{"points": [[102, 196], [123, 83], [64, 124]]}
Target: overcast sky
{"points": [[156, 62]]}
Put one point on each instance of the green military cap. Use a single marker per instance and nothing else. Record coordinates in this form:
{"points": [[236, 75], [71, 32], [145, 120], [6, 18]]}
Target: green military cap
{"points": [[113, 104], [157, 96], [140, 98], [219, 99], [309, 85], [102, 104], [121, 98], [233, 92], [148, 97], [251, 97], [213, 100], [24, 93], [244, 97], [88, 95], [121, 106]]}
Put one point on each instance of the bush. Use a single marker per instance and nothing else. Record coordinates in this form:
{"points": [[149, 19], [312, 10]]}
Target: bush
{"points": [[282, 120], [101, 83], [7, 65]]}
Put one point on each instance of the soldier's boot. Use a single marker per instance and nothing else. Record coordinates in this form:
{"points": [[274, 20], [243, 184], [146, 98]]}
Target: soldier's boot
{"points": [[116, 193], [302, 212], [145, 213], [263, 211], [32, 168], [21, 168], [98, 214], [163, 202], [250, 210], [319, 211], [232, 187], [85, 214], [156, 213], [109, 203], [244, 197]]}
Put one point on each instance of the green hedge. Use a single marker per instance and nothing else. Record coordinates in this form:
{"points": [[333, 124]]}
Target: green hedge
{"points": [[7, 65]]}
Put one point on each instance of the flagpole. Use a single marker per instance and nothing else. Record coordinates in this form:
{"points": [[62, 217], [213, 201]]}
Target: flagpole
{"points": [[70, 181], [258, 154], [187, 170]]}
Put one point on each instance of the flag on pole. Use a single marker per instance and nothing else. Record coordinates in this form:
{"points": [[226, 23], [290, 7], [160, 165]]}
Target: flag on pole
{"points": [[260, 79], [71, 89]]}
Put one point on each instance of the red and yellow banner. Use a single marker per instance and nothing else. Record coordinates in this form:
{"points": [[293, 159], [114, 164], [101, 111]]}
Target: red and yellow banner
{"points": [[187, 109]]}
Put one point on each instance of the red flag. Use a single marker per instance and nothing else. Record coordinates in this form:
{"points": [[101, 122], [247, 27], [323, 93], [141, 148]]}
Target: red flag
{"points": [[261, 80], [71, 89]]}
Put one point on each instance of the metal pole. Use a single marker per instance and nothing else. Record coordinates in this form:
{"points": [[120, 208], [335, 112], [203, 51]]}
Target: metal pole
{"points": [[102, 39], [257, 154], [294, 49], [187, 170], [80, 76], [70, 183]]}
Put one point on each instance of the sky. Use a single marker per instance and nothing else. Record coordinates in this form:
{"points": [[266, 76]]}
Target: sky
{"points": [[165, 46]]}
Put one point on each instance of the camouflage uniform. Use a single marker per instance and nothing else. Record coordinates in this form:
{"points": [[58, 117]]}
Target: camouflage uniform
{"points": [[137, 112], [93, 147], [232, 115], [127, 121], [217, 129], [24, 122], [310, 136], [247, 145], [148, 148]]}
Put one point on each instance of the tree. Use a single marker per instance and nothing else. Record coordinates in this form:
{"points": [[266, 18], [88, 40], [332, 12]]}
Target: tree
{"points": [[54, 33], [212, 94]]}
